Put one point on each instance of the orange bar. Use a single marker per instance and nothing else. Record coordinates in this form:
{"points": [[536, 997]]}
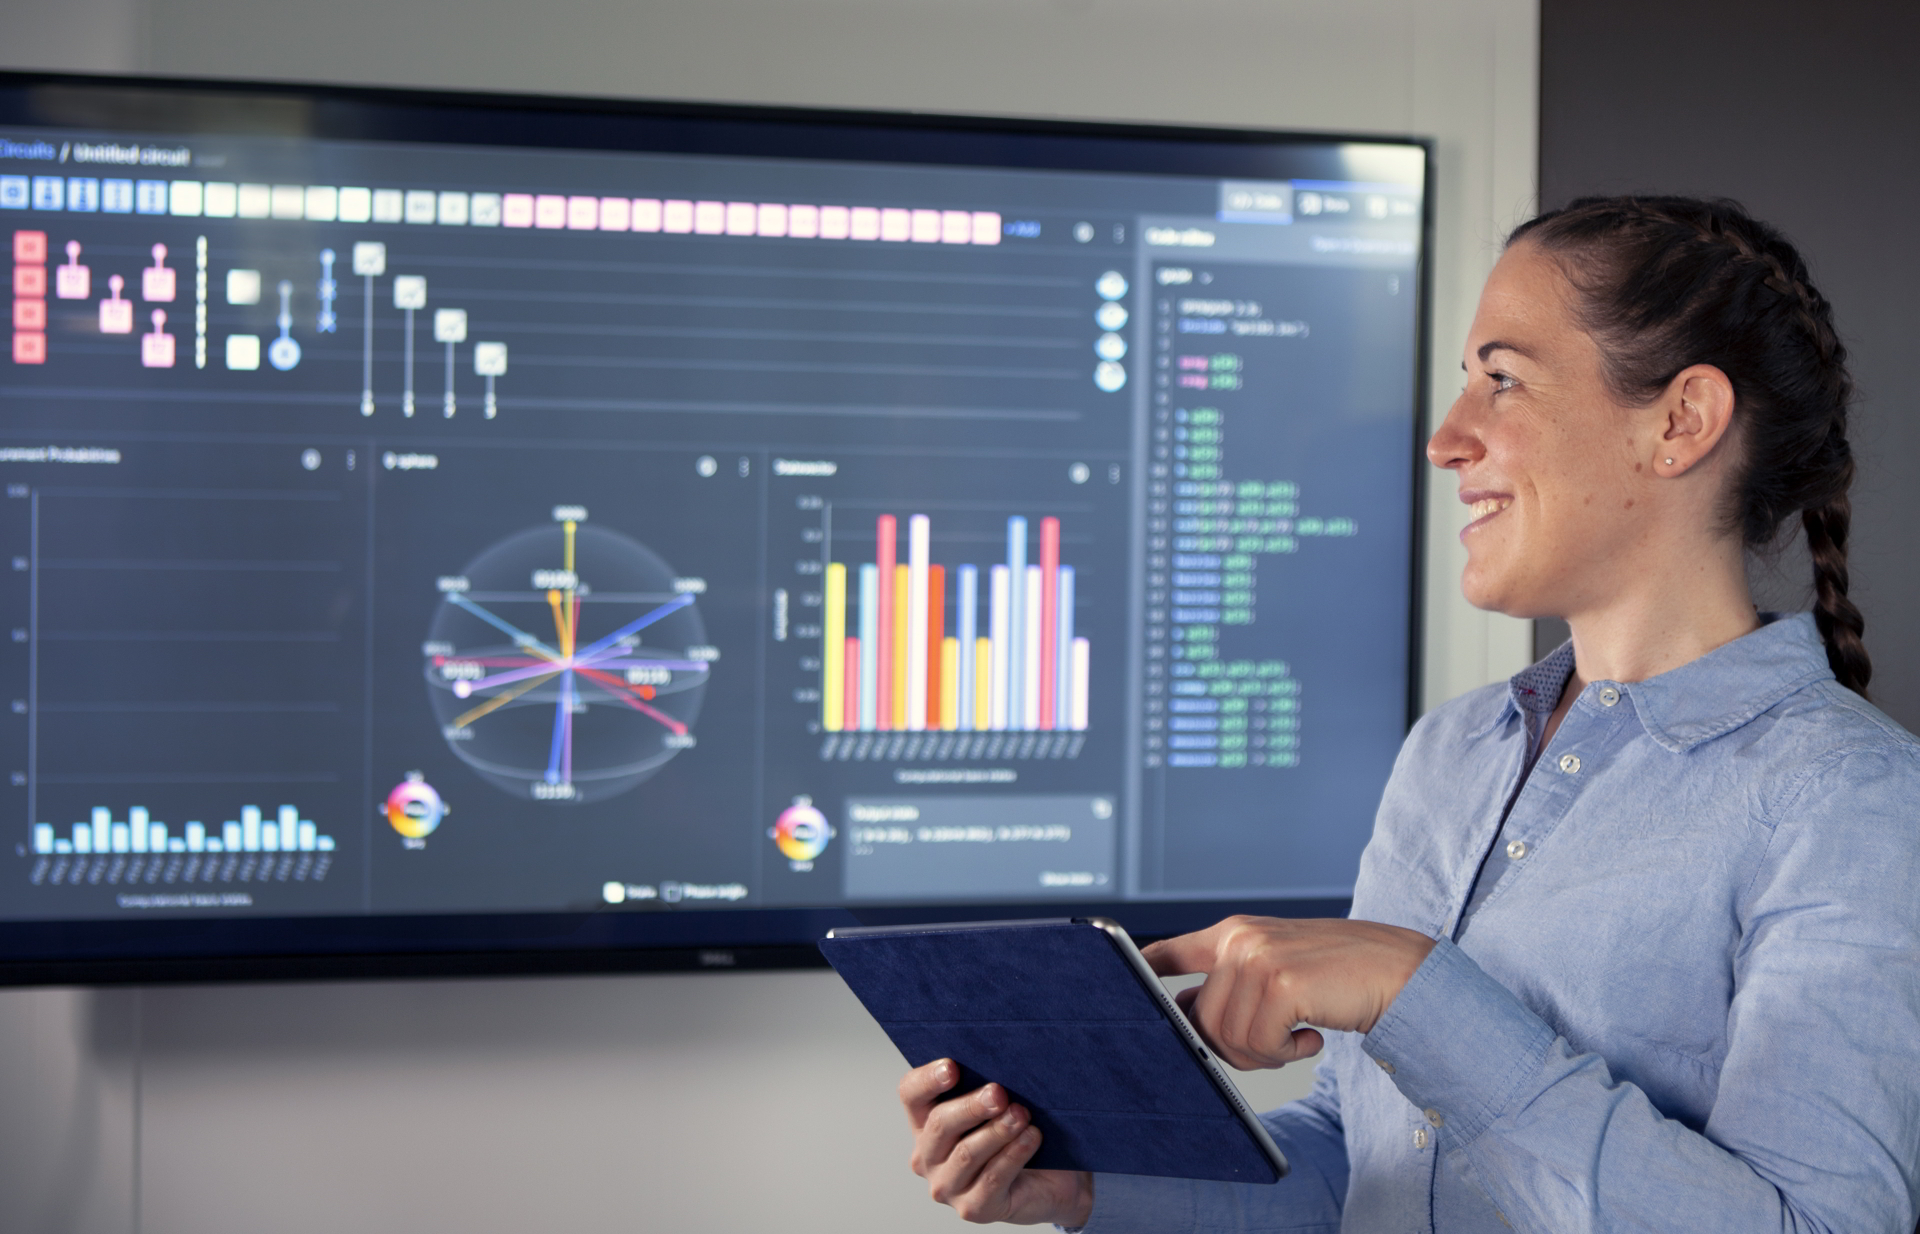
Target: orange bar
{"points": [[883, 675], [852, 702], [1049, 615], [936, 634]]}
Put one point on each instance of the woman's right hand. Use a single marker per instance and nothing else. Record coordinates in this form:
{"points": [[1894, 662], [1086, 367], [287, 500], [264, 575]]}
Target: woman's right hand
{"points": [[973, 1151]]}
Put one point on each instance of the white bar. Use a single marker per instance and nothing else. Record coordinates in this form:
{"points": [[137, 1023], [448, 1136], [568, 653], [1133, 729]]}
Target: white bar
{"points": [[290, 201], [309, 836], [157, 838], [324, 844], [917, 529], [185, 198], [119, 832], [256, 201], [998, 629], [83, 838], [220, 200], [966, 615], [63, 846], [1081, 667], [1063, 649], [323, 203], [270, 837], [356, 205], [196, 837], [250, 828], [230, 837], [137, 820], [43, 837], [1030, 663], [289, 817], [869, 647], [1017, 651], [176, 845]]}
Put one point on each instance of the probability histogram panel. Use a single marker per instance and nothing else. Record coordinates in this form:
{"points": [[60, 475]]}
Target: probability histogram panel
{"points": [[914, 647], [186, 671]]}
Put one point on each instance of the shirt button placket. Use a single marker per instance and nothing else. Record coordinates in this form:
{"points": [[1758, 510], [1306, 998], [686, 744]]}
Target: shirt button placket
{"points": [[1420, 1137], [1609, 696], [1570, 763]]}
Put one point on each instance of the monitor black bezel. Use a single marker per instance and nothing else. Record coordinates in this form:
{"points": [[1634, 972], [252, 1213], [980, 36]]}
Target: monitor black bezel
{"points": [[94, 952]]}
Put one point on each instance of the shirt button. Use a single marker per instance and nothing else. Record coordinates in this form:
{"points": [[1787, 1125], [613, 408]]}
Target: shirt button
{"points": [[1517, 849], [1419, 1137], [1384, 1065], [1608, 696], [1570, 763], [1433, 1116]]}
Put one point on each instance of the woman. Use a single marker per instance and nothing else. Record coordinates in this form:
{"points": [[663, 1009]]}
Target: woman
{"points": [[1636, 943]]}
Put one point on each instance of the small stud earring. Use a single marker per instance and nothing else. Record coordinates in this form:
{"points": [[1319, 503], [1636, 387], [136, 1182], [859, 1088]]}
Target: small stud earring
{"points": [[1669, 462]]}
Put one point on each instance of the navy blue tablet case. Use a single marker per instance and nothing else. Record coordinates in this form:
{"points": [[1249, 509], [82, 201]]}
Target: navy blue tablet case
{"points": [[1053, 1011]]}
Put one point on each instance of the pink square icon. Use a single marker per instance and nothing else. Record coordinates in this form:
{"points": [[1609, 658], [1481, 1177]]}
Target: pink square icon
{"points": [[956, 227], [926, 227], [29, 347], [116, 314], [549, 211], [986, 227], [772, 220], [803, 222], [677, 216], [741, 217], [30, 248], [583, 213], [157, 281], [29, 280], [29, 314], [864, 223], [156, 349], [516, 210], [896, 225], [615, 213], [646, 214], [710, 217], [836, 222]]}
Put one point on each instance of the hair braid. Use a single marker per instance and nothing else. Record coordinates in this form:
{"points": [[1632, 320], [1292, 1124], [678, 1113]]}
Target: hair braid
{"points": [[1669, 282]]}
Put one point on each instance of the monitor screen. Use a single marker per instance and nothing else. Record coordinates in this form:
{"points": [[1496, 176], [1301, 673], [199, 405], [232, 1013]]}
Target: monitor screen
{"points": [[487, 526]]}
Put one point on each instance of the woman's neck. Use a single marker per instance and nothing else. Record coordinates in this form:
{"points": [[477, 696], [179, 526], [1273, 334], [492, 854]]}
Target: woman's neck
{"points": [[1662, 619]]}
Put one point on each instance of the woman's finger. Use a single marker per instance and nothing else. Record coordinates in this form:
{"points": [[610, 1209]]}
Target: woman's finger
{"points": [[921, 1087], [949, 1122], [990, 1198], [960, 1168]]}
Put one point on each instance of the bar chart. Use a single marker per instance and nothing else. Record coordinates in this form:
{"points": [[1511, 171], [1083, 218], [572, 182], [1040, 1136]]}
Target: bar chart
{"points": [[139, 848], [911, 646]]}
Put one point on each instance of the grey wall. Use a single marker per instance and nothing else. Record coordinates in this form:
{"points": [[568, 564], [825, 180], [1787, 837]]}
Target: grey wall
{"points": [[1810, 115], [693, 1103]]}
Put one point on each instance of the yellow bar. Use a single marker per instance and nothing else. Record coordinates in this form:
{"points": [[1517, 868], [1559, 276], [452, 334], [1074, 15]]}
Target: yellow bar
{"points": [[899, 682], [982, 684], [833, 660], [949, 684]]}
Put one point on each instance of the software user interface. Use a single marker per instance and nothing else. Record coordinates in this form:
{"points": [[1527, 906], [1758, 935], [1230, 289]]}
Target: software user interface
{"points": [[413, 529]]}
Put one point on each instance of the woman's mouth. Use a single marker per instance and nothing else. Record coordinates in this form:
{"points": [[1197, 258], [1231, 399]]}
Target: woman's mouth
{"points": [[1483, 509]]}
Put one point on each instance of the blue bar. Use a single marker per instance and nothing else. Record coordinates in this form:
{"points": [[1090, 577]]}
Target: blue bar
{"points": [[869, 646], [230, 837], [43, 837], [150, 197], [83, 194], [967, 617], [1016, 621], [49, 193], [15, 192], [116, 196]]}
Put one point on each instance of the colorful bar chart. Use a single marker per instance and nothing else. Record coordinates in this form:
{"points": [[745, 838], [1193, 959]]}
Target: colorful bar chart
{"points": [[253, 832], [911, 657]]}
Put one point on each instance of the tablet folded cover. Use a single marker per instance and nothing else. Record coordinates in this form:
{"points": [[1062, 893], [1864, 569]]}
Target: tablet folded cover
{"points": [[1053, 1012]]}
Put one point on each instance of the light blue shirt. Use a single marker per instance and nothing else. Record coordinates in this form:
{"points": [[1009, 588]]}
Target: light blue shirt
{"points": [[1690, 1001]]}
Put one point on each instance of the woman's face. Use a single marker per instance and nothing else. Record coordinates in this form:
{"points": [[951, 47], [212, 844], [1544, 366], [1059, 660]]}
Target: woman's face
{"points": [[1553, 468]]}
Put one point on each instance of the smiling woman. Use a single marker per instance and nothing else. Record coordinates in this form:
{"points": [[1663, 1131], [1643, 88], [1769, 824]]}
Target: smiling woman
{"points": [[1634, 944]]}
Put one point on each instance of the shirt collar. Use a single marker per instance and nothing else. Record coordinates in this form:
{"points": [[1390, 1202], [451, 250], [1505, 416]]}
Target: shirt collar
{"points": [[1702, 699]]}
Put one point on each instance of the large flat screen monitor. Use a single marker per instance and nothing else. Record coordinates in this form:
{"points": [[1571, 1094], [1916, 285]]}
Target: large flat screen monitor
{"points": [[445, 532]]}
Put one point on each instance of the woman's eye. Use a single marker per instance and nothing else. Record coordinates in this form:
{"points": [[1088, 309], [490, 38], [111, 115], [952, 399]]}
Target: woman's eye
{"points": [[1502, 382]]}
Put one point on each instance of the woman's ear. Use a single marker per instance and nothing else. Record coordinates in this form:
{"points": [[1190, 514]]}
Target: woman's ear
{"points": [[1697, 412]]}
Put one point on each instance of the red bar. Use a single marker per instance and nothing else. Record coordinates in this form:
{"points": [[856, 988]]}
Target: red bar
{"points": [[936, 634], [852, 722], [883, 556], [1049, 615]]}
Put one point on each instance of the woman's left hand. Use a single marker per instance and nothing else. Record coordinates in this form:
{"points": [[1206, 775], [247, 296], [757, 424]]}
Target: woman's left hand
{"points": [[1267, 975]]}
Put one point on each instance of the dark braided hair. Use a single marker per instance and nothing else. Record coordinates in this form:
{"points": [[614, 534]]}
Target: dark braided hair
{"points": [[1665, 283]]}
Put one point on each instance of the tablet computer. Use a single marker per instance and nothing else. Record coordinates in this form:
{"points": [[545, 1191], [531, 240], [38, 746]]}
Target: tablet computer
{"points": [[1067, 1015]]}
